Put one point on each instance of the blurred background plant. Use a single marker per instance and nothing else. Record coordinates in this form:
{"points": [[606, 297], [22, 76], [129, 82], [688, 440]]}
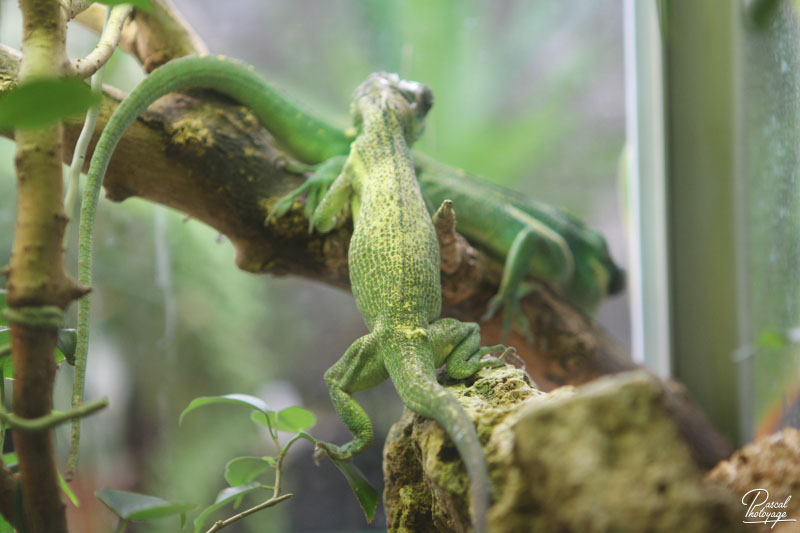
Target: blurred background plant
{"points": [[529, 95]]}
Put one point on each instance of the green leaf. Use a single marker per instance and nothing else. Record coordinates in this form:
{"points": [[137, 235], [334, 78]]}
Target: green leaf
{"points": [[68, 491], [3, 305], [239, 399], [144, 5], [44, 101], [366, 494], [223, 498], [291, 419], [11, 460], [244, 470], [5, 527], [139, 507], [6, 363], [264, 419], [295, 419], [66, 343]]}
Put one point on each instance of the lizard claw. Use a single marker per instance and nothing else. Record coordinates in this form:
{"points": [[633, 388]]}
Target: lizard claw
{"points": [[512, 311], [320, 451], [314, 188]]}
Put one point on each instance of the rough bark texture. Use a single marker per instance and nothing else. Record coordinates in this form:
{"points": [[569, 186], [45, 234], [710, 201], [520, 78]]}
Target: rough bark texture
{"points": [[603, 457]]}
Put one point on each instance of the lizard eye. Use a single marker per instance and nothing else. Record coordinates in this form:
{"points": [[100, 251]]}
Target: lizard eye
{"points": [[425, 101]]}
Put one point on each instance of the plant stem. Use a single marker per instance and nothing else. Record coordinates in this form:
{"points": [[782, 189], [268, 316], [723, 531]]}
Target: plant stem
{"points": [[281, 455], [79, 154], [228, 521], [121, 525], [51, 420]]}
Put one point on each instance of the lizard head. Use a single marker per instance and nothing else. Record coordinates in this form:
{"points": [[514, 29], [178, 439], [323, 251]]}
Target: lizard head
{"points": [[409, 101]]}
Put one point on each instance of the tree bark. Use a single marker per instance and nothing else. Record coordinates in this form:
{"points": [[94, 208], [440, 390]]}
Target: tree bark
{"points": [[36, 276]]}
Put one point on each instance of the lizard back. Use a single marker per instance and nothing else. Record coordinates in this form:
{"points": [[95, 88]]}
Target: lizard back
{"points": [[394, 253]]}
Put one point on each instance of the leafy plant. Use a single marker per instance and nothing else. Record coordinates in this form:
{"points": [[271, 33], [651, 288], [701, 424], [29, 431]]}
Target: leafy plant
{"points": [[242, 473]]}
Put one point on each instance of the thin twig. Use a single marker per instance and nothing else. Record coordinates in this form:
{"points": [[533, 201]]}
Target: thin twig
{"points": [[79, 154], [281, 455], [90, 64], [53, 419], [228, 521]]}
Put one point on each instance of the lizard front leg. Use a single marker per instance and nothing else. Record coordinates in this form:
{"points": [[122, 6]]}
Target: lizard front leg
{"points": [[315, 187], [360, 368], [458, 345]]}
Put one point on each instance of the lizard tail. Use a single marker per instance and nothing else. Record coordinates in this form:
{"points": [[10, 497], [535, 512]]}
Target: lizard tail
{"points": [[416, 384]]}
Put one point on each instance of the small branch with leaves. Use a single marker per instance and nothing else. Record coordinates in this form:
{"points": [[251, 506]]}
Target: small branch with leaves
{"points": [[241, 473]]}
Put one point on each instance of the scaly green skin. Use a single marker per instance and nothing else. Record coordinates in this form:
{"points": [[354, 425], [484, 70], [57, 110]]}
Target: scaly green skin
{"points": [[394, 273]]}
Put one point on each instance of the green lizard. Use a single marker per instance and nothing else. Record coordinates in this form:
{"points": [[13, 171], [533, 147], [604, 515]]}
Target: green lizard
{"points": [[394, 274], [444, 341]]}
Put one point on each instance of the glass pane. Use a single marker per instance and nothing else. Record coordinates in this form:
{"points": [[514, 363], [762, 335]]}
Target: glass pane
{"points": [[770, 193]]}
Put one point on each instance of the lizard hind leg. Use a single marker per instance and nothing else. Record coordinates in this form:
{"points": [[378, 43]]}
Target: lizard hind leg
{"points": [[360, 368], [458, 345]]}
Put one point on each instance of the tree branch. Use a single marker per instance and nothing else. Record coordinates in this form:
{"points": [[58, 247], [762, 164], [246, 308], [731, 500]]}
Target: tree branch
{"points": [[87, 66], [153, 38]]}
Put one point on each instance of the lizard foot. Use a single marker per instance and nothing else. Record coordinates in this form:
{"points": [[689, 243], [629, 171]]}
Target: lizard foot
{"points": [[326, 449], [491, 361], [314, 188], [510, 299]]}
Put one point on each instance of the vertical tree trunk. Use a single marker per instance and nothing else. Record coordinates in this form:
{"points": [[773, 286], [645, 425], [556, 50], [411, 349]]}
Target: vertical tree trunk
{"points": [[36, 276]]}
